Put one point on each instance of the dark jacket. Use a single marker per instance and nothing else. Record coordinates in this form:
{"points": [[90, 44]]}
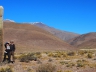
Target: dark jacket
{"points": [[12, 47]]}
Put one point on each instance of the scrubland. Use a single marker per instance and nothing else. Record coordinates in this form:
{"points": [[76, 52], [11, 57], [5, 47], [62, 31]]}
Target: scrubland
{"points": [[53, 61]]}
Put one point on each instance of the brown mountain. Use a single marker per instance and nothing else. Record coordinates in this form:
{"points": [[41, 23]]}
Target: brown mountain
{"points": [[28, 37], [84, 41], [64, 35], [88, 44]]}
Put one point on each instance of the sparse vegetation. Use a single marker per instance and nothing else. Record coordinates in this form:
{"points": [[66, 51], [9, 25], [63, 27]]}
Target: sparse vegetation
{"points": [[82, 63], [46, 68], [27, 57], [62, 62], [71, 53], [6, 69], [70, 65], [43, 61], [89, 55]]}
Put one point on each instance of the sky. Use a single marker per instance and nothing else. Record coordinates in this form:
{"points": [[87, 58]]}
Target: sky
{"points": [[78, 16]]}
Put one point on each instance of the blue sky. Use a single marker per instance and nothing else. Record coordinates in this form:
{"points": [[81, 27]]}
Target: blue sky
{"points": [[78, 16]]}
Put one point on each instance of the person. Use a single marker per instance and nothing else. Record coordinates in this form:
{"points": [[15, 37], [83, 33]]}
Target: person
{"points": [[7, 52], [12, 50]]}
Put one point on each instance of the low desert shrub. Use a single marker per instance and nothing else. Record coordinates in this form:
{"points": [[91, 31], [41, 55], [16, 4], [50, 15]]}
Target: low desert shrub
{"points": [[7, 69], [57, 55], [27, 57], [71, 53], [64, 55], [82, 52], [89, 55], [50, 54], [62, 62], [80, 65], [70, 65], [38, 54], [46, 68]]}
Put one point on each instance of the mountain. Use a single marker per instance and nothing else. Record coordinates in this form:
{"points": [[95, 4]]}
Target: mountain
{"points": [[64, 35], [88, 44], [8, 20], [84, 41], [29, 37]]}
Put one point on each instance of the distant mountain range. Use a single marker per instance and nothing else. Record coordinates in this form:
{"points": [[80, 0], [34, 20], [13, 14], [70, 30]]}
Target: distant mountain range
{"points": [[40, 36], [64, 35], [80, 41], [29, 37]]}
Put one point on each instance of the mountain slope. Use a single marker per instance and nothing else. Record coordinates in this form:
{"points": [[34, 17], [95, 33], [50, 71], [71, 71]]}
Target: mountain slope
{"points": [[64, 35], [88, 44], [84, 41], [31, 38]]}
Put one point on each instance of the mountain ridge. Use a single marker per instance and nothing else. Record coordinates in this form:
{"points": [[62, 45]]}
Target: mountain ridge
{"points": [[85, 40], [32, 38], [64, 35]]}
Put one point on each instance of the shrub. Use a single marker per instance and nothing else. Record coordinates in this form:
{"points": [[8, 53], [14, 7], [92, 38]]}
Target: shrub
{"points": [[62, 62], [7, 69], [79, 60], [27, 57], [46, 68], [89, 55], [80, 64], [64, 55], [70, 65], [71, 53], [38, 54], [50, 54], [57, 55], [82, 52]]}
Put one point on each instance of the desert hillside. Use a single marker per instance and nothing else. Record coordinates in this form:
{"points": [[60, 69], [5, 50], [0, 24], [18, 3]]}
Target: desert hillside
{"points": [[84, 41], [31, 38], [88, 44], [64, 35]]}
